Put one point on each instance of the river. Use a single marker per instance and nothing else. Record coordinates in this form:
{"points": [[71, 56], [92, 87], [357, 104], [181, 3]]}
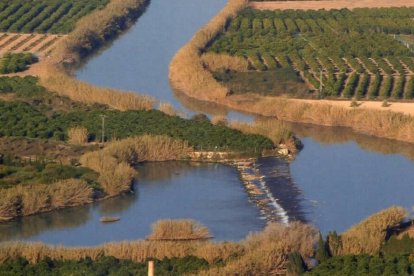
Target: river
{"points": [[337, 179]]}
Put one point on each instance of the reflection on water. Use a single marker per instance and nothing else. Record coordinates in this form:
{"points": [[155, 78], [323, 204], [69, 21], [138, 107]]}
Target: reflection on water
{"points": [[27, 227], [344, 183], [209, 193], [337, 135]]}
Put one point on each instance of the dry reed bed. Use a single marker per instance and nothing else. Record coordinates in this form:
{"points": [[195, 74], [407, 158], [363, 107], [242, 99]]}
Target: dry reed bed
{"points": [[189, 74], [90, 33], [29, 200], [114, 162], [259, 254], [187, 71], [114, 165], [262, 253], [174, 230]]}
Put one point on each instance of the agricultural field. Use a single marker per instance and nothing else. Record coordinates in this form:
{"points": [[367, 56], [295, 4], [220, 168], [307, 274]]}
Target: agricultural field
{"points": [[39, 44], [362, 54], [44, 16]]}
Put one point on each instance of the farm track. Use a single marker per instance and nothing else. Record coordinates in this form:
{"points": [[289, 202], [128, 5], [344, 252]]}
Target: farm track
{"points": [[39, 44], [330, 4]]}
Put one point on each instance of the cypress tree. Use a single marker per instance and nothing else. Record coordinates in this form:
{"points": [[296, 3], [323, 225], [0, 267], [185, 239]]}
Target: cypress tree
{"points": [[322, 253]]}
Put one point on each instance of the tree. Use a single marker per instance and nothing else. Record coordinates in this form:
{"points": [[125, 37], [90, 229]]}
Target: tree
{"points": [[322, 253], [296, 265]]}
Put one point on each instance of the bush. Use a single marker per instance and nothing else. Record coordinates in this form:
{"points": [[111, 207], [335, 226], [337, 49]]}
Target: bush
{"points": [[13, 63]]}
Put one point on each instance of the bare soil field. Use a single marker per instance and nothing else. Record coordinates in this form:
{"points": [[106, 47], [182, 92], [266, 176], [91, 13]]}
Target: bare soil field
{"points": [[39, 44], [330, 4]]}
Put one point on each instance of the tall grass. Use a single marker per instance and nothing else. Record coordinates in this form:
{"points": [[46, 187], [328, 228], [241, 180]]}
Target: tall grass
{"points": [[78, 135], [275, 130], [385, 124], [90, 33], [94, 30], [187, 70], [368, 236], [178, 230], [260, 254], [28, 200], [215, 62], [114, 162], [60, 82]]}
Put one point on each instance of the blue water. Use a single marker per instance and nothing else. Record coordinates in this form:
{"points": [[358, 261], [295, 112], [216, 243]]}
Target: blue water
{"points": [[209, 193], [346, 184]]}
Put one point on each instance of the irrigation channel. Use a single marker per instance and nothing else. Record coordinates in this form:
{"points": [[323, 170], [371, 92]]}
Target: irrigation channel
{"points": [[337, 179]]}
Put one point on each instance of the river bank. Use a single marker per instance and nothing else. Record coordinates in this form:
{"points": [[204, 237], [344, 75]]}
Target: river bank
{"points": [[190, 76]]}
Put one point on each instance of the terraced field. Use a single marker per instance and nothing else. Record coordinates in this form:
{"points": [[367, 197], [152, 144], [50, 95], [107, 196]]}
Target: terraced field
{"points": [[44, 16], [39, 44], [364, 53]]}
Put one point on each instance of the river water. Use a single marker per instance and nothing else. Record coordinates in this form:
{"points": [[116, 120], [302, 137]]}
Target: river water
{"points": [[337, 179]]}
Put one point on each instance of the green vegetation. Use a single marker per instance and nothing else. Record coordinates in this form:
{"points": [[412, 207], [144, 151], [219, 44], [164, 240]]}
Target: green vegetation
{"points": [[13, 63], [358, 52], [103, 266], [44, 16], [365, 265], [15, 171], [270, 83], [36, 117]]}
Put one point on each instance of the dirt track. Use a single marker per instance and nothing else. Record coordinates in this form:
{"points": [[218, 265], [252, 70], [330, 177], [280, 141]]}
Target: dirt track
{"points": [[330, 4]]}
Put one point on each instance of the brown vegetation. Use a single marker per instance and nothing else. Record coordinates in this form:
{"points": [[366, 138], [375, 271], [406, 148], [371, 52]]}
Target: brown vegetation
{"points": [[94, 30], [90, 33], [187, 72], [275, 130], [263, 253], [29, 200], [113, 163], [367, 236], [178, 230], [384, 124], [168, 109], [59, 82], [32, 149], [215, 62], [78, 135]]}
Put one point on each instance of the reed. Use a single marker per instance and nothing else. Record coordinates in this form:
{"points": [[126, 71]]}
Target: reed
{"points": [[300, 237], [275, 130], [216, 62], [78, 136], [24, 200], [178, 230], [368, 236], [90, 33], [61, 83], [114, 162], [187, 71]]}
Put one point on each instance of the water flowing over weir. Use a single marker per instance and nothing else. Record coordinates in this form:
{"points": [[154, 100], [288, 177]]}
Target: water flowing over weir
{"points": [[338, 179]]}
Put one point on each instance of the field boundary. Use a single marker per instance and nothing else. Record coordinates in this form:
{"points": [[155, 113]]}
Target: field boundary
{"points": [[330, 4]]}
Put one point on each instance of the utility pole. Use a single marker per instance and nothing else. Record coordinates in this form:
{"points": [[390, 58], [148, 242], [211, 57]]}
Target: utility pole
{"points": [[320, 85], [103, 128]]}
